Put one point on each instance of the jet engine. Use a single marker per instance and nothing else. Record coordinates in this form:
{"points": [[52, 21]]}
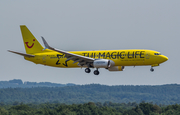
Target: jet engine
{"points": [[102, 63], [116, 68]]}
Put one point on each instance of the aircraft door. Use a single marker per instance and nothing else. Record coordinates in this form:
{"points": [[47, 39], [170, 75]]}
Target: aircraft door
{"points": [[147, 55], [44, 59]]}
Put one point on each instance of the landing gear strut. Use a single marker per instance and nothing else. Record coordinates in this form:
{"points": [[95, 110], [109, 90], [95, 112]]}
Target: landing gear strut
{"points": [[87, 70], [151, 69], [96, 72]]}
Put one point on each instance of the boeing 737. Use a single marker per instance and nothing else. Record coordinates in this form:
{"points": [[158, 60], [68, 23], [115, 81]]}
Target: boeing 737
{"points": [[112, 60]]}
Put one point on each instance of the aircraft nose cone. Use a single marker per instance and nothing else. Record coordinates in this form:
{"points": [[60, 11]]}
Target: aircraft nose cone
{"points": [[164, 58]]}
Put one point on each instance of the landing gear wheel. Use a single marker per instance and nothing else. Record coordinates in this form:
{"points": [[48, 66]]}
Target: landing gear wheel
{"points": [[151, 69], [96, 72], [87, 70]]}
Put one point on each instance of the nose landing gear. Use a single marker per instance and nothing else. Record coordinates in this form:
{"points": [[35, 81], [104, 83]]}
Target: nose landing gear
{"points": [[151, 69]]}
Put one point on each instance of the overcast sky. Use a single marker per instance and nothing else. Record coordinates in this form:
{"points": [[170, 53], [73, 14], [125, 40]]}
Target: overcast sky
{"points": [[92, 25]]}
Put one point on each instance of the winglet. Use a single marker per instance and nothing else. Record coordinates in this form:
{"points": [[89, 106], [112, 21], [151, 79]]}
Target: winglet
{"points": [[45, 44]]}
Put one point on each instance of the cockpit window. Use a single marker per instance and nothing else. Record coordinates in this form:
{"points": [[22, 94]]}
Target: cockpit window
{"points": [[157, 54]]}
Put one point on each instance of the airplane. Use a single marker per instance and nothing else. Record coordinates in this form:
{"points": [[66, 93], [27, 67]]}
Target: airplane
{"points": [[112, 60]]}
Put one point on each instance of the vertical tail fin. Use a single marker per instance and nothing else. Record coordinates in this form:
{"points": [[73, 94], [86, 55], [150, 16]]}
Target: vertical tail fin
{"points": [[30, 42]]}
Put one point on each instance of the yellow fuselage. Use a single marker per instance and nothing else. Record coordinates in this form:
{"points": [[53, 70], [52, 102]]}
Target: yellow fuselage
{"points": [[132, 57]]}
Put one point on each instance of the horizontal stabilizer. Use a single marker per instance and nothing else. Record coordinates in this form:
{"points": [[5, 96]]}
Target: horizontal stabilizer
{"points": [[22, 54]]}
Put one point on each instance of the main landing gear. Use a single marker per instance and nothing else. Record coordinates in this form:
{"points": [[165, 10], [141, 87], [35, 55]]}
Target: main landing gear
{"points": [[96, 72], [87, 70], [151, 69]]}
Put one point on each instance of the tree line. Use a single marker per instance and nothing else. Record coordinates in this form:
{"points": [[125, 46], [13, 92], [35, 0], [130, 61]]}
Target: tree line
{"points": [[90, 108], [163, 94], [18, 83]]}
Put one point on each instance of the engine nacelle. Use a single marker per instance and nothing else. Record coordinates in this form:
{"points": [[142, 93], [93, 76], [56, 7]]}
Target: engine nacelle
{"points": [[102, 63], [116, 68]]}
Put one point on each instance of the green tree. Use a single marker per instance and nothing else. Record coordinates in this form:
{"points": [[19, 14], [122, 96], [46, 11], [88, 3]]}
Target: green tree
{"points": [[146, 108], [3, 111], [138, 110], [156, 109]]}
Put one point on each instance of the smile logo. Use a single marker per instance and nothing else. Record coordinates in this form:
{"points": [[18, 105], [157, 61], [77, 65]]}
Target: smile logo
{"points": [[28, 45]]}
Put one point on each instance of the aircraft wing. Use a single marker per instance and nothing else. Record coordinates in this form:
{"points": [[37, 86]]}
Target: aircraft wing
{"points": [[22, 54], [70, 56]]}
